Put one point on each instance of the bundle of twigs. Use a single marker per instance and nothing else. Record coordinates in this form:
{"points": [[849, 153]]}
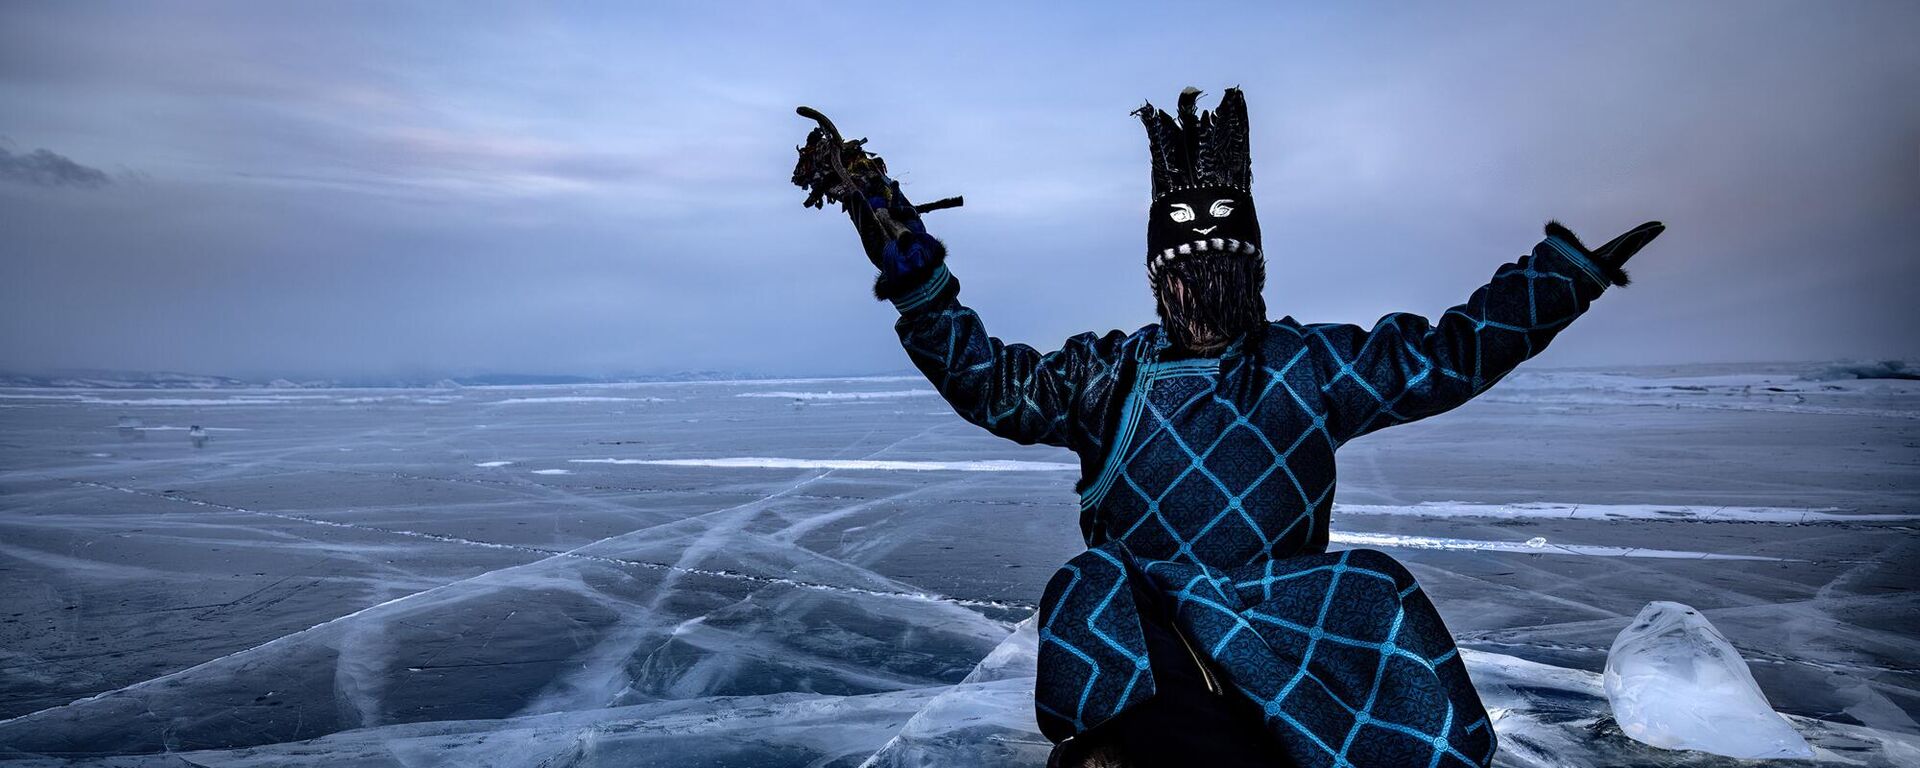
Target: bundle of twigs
{"points": [[836, 170]]}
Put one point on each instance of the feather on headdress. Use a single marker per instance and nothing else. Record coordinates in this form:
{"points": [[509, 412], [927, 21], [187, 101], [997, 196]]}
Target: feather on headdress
{"points": [[1199, 149]]}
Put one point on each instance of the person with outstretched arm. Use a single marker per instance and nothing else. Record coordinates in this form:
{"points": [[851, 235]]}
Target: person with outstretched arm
{"points": [[1207, 623]]}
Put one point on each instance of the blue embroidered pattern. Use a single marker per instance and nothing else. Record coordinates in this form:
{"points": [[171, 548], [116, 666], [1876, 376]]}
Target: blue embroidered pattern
{"points": [[1211, 479]]}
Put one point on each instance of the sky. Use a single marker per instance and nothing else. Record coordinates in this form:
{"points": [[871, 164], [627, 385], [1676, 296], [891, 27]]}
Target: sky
{"points": [[426, 189]]}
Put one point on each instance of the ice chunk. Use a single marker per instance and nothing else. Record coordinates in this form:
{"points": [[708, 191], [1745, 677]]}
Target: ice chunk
{"points": [[132, 429], [987, 720], [1676, 683]]}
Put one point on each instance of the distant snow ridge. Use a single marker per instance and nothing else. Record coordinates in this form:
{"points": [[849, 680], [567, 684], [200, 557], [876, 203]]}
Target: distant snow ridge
{"points": [[177, 401], [764, 462], [168, 401], [1877, 369], [186, 429], [1537, 545], [1884, 389], [236, 398], [1565, 511], [832, 395], [576, 399]]}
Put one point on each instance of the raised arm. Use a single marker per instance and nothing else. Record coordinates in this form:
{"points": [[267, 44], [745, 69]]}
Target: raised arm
{"points": [[1407, 368], [1012, 390]]}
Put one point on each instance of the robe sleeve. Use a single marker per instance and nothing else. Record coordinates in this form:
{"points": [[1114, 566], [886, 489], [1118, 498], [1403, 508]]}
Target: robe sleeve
{"points": [[1407, 368], [1011, 390]]}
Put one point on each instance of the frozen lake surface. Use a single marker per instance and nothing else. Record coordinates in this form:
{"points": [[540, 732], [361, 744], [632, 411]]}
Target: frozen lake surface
{"points": [[836, 572]]}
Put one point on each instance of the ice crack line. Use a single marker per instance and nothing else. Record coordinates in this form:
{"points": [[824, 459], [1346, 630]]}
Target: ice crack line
{"points": [[720, 573], [692, 490]]}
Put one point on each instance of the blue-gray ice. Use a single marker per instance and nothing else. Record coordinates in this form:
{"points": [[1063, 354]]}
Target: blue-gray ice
{"points": [[831, 572]]}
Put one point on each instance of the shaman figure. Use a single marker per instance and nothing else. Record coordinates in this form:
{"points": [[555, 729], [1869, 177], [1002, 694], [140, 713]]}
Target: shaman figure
{"points": [[1207, 623]]}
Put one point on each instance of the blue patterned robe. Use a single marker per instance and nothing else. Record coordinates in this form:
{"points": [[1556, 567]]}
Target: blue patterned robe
{"points": [[1210, 479]]}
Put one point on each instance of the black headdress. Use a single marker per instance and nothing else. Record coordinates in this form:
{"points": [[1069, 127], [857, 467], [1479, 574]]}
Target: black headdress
{"points": [[1209, 149], [1201, 227], [1202, 180]]}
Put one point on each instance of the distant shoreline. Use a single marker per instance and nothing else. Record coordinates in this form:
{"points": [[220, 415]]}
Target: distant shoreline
{"points": [[1892, 369]]}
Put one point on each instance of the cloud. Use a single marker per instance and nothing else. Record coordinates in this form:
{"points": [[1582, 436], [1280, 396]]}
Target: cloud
{"points": [[43, 168], [398, 189]]}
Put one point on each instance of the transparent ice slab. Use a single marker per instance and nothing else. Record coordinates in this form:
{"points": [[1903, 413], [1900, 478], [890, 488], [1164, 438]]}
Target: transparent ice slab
{"points": [[1546, 717], [1675, 682]]}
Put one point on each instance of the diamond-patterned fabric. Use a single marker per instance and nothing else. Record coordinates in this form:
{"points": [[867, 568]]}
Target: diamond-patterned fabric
{"points": [[1210, 479], [1342, 652]]}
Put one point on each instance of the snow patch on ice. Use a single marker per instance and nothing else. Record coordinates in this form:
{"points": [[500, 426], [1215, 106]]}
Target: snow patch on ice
{"points": [[832, 395], [492, 463], [182, 401], [553, 471], [239, 399], [370, 399], [769, 382], [576, 399], [765, 462], [1535, 546], [186, 429], [1570, 511]]}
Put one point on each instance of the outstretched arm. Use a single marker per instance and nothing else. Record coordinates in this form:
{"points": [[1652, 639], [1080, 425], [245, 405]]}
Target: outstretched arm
{"points": [[1012, 390], [1407, 368]]}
